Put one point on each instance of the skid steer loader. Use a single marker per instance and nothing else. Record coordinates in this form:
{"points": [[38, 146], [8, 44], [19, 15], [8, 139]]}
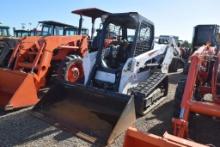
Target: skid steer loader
{"points": [[119, 78], [30, 65]]}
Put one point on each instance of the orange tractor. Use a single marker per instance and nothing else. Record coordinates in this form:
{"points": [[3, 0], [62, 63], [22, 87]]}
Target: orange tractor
{"points": [[38, 58], [45, 28], [199, 93], [135, 138], [29, 67], [202, 86]]}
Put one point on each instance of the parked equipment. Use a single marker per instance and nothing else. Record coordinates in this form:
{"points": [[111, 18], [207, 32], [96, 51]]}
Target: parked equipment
{"points": [[19, 33], [4, 31], [204, 34], [50, 28], [7, 45], [29, 67], [202, 79], [117, 77], [135, 138], [54, 28], [199, 93]]}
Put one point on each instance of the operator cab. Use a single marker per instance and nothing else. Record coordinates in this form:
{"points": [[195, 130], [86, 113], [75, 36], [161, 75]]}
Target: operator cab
{"points": [[166, 39], [35, 32], [4, 31], [54, 28], [112, 60], [116, 54], [71, 31], [49, 28], [204, 34], [21, 33]]}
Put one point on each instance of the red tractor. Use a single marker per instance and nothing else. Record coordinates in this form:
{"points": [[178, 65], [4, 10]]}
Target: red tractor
{"points": [[199, 93], [36, 59], [30, 65], [202, 79]]}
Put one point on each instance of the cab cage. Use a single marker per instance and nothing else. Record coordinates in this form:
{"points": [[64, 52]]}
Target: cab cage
{"points": [[21, 33], [93, 13], [57, 24], [135, 21], [204, 33], [2, 28]]}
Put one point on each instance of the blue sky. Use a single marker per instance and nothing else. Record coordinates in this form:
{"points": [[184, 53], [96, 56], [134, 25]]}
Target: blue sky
{"points": [[174, 17]]}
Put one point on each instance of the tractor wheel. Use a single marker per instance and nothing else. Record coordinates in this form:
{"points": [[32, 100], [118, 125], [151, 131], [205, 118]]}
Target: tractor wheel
{"points": [[71, 69], [178, 97]]}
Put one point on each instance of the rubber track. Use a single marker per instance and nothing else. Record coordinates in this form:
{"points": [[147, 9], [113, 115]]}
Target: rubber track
{"points": [[143, 89]]}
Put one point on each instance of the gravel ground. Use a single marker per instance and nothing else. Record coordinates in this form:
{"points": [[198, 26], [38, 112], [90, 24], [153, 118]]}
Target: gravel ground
{"points": [[20, 128]]}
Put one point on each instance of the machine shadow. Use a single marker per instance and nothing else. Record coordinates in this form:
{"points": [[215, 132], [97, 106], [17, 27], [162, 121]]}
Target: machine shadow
{"points": [[175, 77], [202, 129], [164, 115]]}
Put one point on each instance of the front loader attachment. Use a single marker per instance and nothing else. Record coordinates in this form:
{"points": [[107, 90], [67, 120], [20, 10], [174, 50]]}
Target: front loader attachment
{"points": [[17, 90], [90, 113], [134, 138]]}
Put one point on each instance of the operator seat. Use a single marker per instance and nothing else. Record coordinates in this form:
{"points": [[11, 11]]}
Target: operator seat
{"points": [[124, 51]]}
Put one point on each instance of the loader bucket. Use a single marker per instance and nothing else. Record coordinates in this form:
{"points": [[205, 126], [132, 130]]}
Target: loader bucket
{"points": [[92, 114], [17, 90], [134, 138]]}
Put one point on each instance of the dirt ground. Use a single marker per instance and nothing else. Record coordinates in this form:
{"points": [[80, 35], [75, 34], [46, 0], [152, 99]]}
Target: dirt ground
{"points": [[20, 128]]}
